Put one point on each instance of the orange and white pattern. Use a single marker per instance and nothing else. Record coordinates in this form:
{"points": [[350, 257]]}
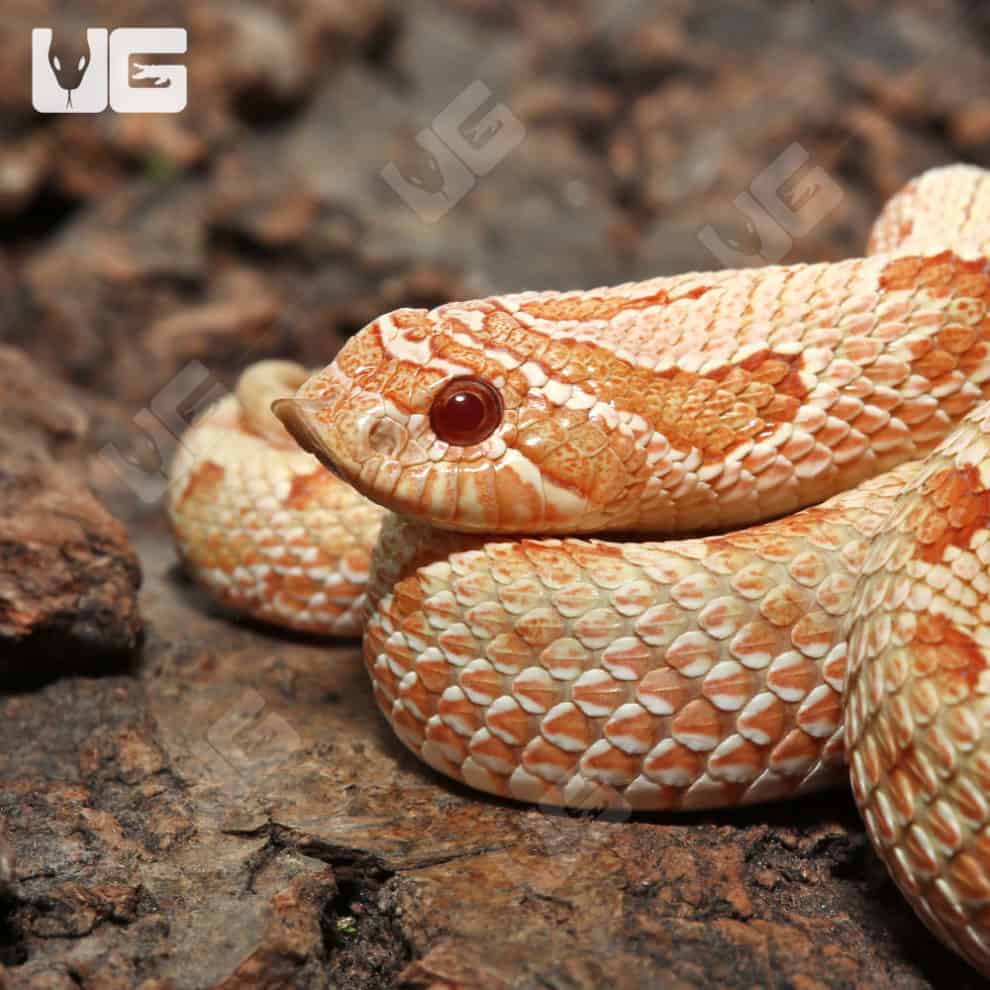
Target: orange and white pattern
{"points": [[846, 402], [260, 524], [686, 674]]}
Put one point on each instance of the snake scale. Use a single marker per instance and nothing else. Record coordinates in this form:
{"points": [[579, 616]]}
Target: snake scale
{"points": [[826, 427]]}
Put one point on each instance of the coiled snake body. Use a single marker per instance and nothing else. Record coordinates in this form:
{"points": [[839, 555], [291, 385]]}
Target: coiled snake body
{"points": [[704, 671]]}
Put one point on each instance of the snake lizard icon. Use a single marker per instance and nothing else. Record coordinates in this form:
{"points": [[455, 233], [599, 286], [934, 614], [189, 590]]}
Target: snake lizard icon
{"points": [[506, 495], [69, 61]]}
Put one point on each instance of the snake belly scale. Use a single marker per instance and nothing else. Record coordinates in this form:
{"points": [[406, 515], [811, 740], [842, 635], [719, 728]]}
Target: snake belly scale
{"points": [[826, 425]]}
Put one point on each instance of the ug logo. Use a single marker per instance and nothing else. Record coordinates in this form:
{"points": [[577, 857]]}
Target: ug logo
{"points": [[86, 75]]}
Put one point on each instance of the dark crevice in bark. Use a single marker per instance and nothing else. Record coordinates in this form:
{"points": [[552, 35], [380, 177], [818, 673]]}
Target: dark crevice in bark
{"points": [[364, 942]]}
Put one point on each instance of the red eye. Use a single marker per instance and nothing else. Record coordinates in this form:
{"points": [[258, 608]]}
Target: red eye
{"points": [[466, 411]]}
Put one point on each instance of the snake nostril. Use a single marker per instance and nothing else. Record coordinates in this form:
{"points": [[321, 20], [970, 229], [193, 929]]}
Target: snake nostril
{"points": [[385, 438]]}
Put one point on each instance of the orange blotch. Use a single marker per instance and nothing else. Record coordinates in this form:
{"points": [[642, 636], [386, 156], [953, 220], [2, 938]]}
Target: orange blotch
{"points": [[407, 604], [947, 651], [942, 275], [938, 274], [203, 480], [779, 370], [588, 307], [303, 489], [954, 508]]}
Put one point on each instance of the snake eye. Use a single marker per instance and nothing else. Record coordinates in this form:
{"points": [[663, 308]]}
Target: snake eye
{"points": [[466, 411]]}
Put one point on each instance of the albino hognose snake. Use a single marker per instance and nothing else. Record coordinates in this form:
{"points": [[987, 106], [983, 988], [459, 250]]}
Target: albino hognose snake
{"points": [[705, 671]]}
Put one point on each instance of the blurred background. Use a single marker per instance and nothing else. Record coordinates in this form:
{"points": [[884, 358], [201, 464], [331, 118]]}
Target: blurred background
{"points": [[337, 159], [257, 222]]}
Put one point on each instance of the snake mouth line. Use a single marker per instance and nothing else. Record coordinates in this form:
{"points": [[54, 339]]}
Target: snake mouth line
{"points": [[292, 414]]}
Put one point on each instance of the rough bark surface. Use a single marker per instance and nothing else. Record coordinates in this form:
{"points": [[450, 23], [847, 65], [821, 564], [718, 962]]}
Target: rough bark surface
{"points": [[237, 814], [226, 808], [68, 576]]}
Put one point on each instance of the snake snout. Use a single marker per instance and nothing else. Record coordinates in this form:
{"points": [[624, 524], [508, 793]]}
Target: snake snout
{"points": [[297, 416]]}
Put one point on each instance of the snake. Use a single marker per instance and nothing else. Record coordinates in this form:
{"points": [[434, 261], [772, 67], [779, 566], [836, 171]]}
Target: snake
{"points": [[693, 542]]}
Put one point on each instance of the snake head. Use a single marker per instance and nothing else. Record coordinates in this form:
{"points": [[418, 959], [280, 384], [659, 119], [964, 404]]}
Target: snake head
{"points": [[447, 417]]}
